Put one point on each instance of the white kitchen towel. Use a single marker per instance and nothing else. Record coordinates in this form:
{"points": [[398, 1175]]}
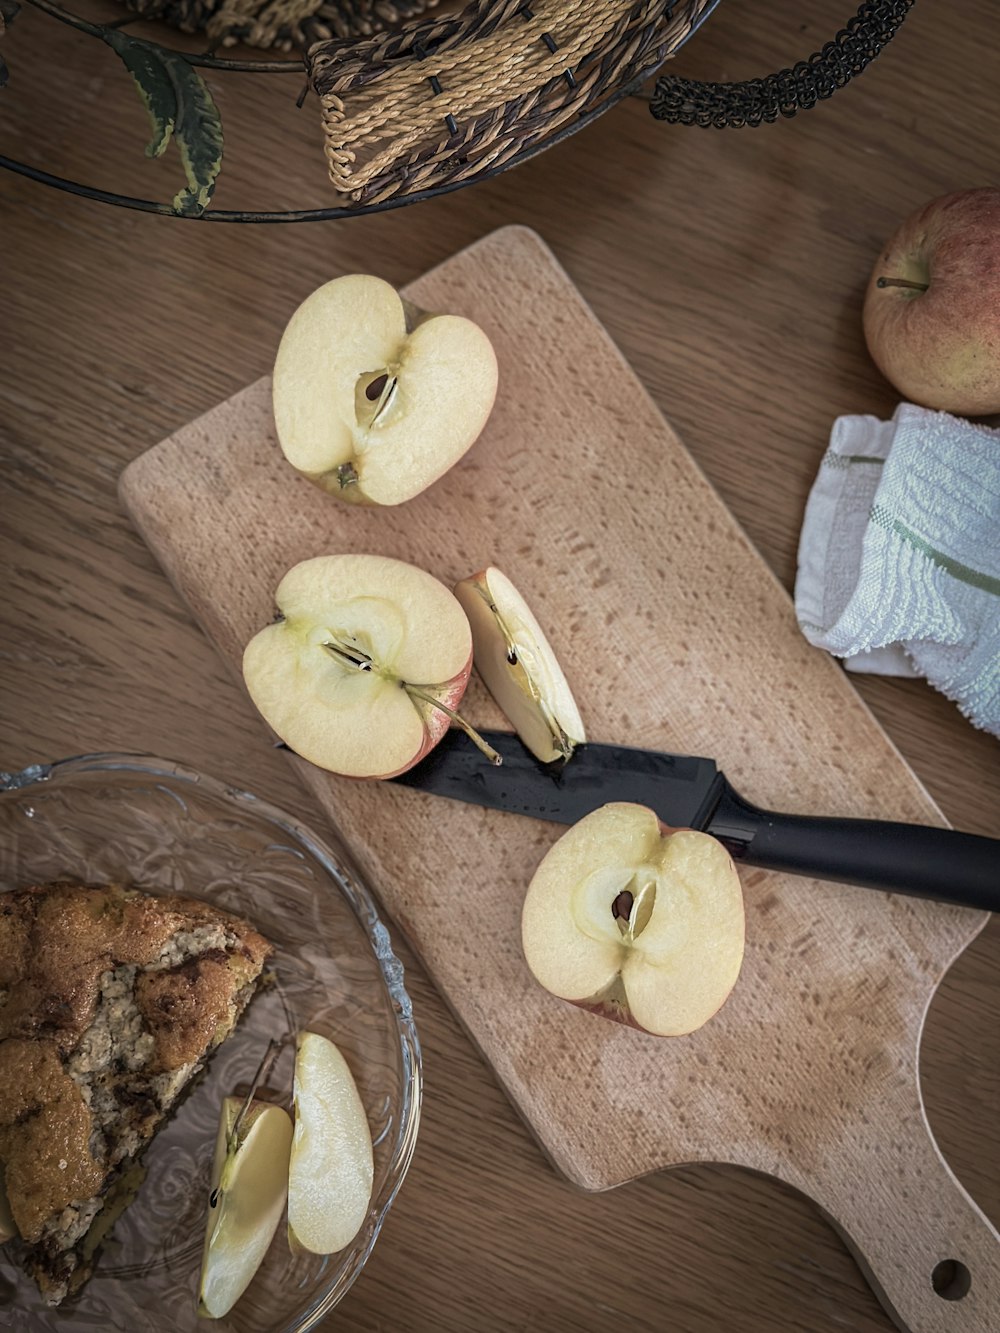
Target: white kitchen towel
{"points": [[899, 555]]}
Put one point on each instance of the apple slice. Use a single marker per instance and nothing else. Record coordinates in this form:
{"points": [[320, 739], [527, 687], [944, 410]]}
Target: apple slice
{"points": [[635, 921], [518, 666], [373, 399], [362, 671], [249, 1185], [332, 1168]]}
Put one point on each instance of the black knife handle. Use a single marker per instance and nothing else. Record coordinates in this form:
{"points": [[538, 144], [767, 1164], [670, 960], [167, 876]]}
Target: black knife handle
{"points": [[952, 867]]}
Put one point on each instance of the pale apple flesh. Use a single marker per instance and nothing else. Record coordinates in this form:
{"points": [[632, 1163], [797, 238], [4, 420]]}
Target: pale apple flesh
{"points": [[331, 1174], [362, 672], [518, 666], [247, 1197], [932, 308], [373, 401], [635, 921]]}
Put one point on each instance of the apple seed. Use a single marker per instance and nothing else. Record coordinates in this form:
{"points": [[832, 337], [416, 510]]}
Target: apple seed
{"points": [[374, 393], [621, 907], [351, 656], [633, 910], [559, 738], [384, 397]]}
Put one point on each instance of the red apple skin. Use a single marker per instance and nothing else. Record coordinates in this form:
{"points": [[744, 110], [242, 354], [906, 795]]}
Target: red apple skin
{"points": [[613, 1010], [941, 347], [436, 724]]}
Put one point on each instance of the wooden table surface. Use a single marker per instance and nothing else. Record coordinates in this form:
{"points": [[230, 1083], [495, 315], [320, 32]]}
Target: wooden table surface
{"points": [[729, 268]]}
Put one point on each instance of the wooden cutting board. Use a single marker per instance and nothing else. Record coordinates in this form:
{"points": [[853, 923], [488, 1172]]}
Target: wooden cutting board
{"points": [[676, 636]]}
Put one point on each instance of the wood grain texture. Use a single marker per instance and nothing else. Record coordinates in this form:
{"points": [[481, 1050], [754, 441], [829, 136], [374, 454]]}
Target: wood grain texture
{"points": [[729, 269], [668, 624]]}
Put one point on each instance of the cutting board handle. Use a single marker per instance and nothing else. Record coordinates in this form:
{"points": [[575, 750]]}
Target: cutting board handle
{"points": [[931, 1255]]}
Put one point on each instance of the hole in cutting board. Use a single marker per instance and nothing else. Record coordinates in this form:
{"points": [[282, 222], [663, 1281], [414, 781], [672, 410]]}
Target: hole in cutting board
{"points": [[951, 1280]]}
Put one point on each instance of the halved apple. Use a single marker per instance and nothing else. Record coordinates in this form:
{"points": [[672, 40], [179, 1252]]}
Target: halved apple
{"points": [[362, 671], [635, 921], [248, 1188], [518, 666], [332, 1168], [373, 399]]}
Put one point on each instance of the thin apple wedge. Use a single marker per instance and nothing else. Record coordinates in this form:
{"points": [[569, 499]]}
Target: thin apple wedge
{"points": [[248, 1189], [636, 922], [518, 666], [373, 400], [332, 1167], [363, 670]]}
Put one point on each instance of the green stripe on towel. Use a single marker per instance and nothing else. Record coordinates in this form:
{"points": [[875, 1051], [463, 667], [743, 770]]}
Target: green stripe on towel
{"points": [[974, 577], [832, 459]]}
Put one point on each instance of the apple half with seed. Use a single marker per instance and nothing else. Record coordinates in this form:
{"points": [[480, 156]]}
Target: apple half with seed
{"points": [[518, 666], [248, 1188], [332, 1170], [362, 670], [635, 921], [374, 399]]}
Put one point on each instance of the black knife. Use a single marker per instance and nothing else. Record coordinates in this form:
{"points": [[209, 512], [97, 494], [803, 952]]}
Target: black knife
{"points": [[958, 868]]}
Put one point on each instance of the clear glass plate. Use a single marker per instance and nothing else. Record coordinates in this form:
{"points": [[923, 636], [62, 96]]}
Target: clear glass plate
{"points": [[164, 828]]}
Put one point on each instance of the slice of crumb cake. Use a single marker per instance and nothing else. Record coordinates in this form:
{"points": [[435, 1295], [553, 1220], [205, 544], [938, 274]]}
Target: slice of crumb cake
{"points": [[110, 1002]]}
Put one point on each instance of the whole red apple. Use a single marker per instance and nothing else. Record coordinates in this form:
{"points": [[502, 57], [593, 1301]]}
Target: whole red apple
{"points": [[932, 308]]}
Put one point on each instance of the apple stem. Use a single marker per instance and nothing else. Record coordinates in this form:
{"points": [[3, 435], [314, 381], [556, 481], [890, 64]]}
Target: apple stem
{"points": [[355, 657], [263, 1069], [902, 282], [416, 692]]}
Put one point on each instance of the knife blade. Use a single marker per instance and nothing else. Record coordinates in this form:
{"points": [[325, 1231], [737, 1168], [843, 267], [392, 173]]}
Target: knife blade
{"points": [[690, 792]]}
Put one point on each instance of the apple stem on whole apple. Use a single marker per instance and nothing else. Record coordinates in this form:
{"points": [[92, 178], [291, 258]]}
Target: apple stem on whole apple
{"points": [[902, 282]]}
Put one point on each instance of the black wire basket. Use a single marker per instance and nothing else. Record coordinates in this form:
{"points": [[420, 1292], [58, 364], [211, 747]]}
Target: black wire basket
{"points": [[415, 105]]}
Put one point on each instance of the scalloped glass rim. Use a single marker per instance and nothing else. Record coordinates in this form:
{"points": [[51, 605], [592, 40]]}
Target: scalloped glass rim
{"points": [[334, 868]]}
